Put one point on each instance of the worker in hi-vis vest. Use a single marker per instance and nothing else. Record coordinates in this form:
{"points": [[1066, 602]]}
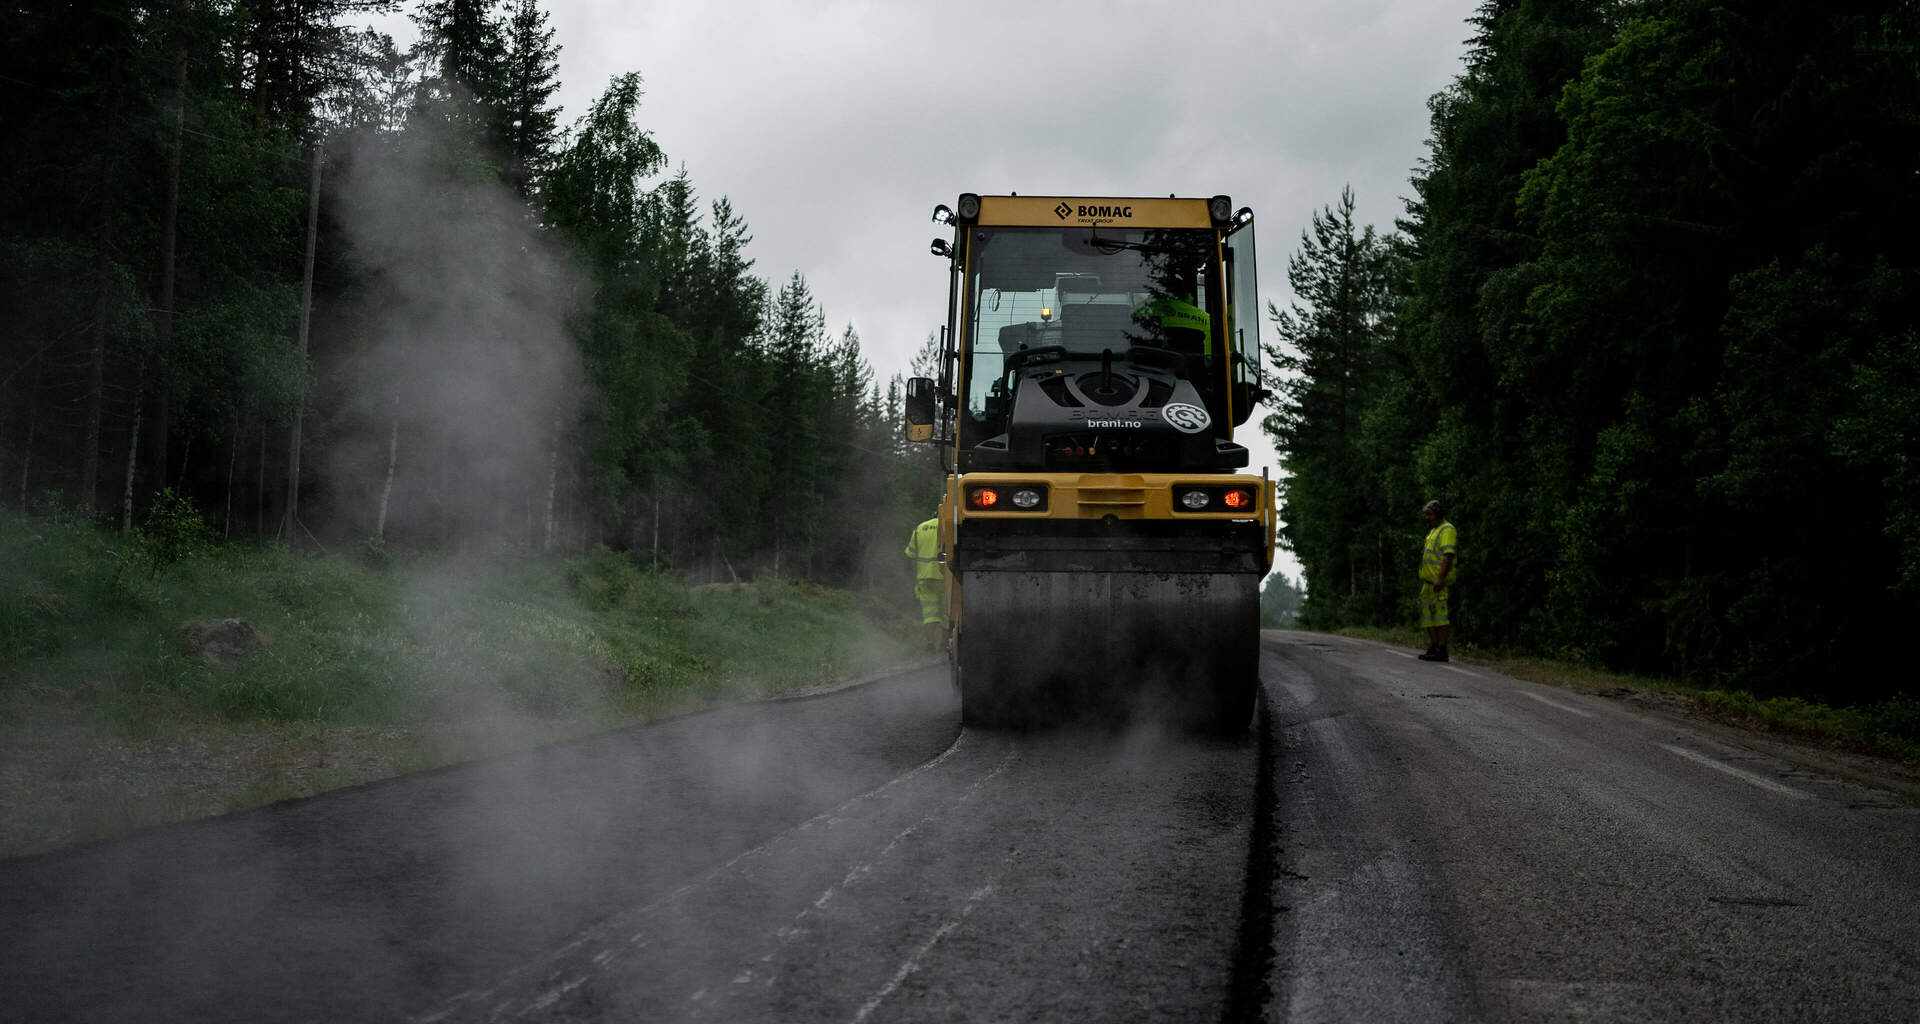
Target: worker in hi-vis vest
{"points": [[1437, 558], [1186, 326], [929, 580]]}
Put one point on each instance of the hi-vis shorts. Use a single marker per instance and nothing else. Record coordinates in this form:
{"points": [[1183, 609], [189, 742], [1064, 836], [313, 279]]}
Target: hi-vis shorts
{"points": [[1433, 607], [932, 594]]}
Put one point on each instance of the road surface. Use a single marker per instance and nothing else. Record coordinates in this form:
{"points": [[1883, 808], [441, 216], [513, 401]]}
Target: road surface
{"points": [[1456, 845], [1393, 841]]}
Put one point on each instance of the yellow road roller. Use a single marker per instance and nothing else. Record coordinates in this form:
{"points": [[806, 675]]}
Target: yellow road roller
{"points": [[1102, 540]]}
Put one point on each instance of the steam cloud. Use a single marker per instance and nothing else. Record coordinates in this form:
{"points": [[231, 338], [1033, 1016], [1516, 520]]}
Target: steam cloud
{"points": [[465, 360]]}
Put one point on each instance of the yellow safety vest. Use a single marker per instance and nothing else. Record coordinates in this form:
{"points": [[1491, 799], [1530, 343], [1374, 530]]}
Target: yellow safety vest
{"points": [[1442, 541], [923, 546], [1178, 314]]}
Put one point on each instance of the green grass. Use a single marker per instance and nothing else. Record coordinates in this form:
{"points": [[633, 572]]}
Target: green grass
{"points": [[370, 668], [1889, 729], [85, 622]]}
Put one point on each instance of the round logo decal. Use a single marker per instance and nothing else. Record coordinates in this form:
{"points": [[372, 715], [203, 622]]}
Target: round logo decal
{"points": [[1187, 419]]}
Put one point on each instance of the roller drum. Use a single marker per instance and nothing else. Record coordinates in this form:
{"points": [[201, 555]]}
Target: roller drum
{"points": [[1039, 647]]}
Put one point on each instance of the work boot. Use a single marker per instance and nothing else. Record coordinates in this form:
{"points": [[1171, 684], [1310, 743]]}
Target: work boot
{"points": [[1435, 653]]}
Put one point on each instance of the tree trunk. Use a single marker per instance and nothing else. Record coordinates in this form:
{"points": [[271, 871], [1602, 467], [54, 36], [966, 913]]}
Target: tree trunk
{"points": [[553, 489], [169, 234], [1380, 562], [292, 514], [33, 424], [133, 450], [386, 487], [233, 460], [260, 485], [102, 308]]}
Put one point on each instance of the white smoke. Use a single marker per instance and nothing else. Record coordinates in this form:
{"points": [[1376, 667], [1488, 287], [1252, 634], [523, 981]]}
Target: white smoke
{"points": [[465, 368]]}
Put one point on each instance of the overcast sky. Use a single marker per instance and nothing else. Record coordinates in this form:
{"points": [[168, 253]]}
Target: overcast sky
{"points": [[834, 127]]}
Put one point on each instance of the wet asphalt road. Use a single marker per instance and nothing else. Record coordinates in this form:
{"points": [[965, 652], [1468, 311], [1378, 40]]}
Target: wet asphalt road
{"points": [[1455, 845], [845, 858], [1399, 841]]}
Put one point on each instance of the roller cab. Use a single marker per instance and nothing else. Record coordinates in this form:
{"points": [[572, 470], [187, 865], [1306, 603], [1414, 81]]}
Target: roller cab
{"points": [[1104, 543]]}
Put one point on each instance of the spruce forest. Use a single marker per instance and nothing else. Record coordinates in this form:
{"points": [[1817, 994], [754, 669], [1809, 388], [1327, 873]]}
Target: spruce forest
{"points": [[1648, 325], [345, 296], [1648, 328]]}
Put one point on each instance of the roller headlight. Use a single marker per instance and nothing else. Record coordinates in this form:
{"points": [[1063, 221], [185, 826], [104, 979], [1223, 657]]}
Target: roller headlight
{"points": [[1006, 498], [1215, 500]]}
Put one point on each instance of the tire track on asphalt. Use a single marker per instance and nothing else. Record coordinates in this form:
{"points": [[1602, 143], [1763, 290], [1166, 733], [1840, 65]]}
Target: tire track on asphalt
{"points": [[912, 962], [599, 944], [798, 928]]}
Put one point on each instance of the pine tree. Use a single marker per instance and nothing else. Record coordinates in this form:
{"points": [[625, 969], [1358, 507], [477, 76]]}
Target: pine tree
{"points": [[528, 122], [796, 410], [461, 96], [1330, 346], [299, 54]]}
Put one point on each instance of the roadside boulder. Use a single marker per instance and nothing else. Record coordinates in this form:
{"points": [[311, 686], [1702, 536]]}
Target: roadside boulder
{"points": [[221, 639]]}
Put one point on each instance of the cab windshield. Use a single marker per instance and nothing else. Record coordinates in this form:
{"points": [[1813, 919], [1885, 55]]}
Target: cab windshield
{"points": [[1080, 292]]}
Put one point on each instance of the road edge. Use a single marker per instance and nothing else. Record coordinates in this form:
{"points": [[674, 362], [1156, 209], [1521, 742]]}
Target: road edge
{"points": [[1870, 770]]}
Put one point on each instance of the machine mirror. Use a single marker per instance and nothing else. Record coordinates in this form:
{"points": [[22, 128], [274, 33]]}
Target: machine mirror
{"points": [[1245, 397], [1246, 393], [920, 408]]}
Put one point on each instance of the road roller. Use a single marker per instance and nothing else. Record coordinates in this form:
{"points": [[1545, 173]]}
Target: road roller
{"points": [[1102, 541]]}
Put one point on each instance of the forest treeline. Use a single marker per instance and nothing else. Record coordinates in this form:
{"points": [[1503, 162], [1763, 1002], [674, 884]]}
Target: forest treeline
{"points": [[1649, 328], [340, 293]]}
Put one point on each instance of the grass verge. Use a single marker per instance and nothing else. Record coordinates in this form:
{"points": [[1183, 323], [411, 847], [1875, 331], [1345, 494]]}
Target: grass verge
{"points": [[110, 720], [1889, 729]]}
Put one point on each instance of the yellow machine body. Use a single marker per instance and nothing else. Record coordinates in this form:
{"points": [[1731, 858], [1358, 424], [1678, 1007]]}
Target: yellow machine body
{"points": [[1103, 539]]}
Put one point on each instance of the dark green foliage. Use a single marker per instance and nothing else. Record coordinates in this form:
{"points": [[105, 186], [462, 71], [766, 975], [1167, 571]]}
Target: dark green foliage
{"points": [[595, 193], [714, 426], [174, 530], [1339, 495], [1660, 321], [464, 80], [1469, 277], [529, 128]]}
